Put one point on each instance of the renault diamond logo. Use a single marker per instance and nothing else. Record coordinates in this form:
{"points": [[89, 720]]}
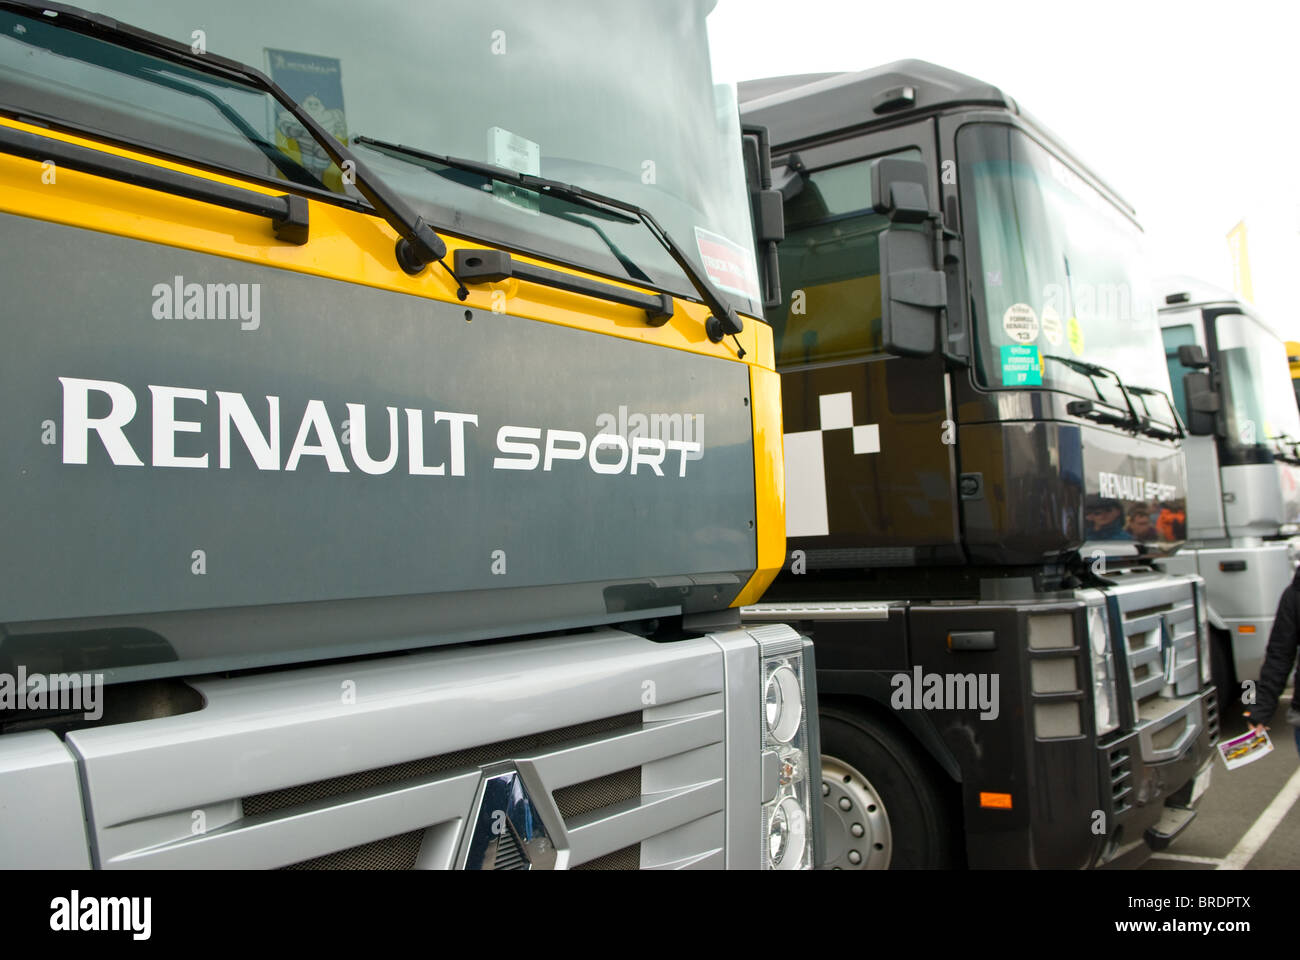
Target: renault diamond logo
{"points": [[508, 833]]}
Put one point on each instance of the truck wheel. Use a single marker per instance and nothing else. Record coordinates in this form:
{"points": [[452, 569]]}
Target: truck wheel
{"points": [[881, 807]]}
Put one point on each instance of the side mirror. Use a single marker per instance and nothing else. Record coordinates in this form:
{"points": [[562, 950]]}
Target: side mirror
{"points": [[913, 293], [767, 207], [1202, 403], [1192, 356], [898, 190]]}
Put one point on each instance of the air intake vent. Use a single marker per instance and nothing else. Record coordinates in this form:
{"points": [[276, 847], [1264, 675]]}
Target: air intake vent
{"points": [[629, 858], [1212, 715], [1121, 779], [599, 793], [391, 853]]}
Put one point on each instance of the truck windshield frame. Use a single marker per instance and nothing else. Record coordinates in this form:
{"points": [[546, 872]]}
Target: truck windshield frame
{"points": [[1056, 268], [535, 95]]}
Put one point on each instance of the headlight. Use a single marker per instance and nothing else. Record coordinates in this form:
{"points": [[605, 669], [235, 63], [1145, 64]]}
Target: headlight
{"points": [[1203, 628], [1104, 703], [790, 768], [787, 836], [783, 704]]}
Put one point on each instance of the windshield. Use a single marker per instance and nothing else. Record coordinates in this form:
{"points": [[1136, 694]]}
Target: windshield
{"points": [[1257, 395], [617, 97], [1058, 271]]}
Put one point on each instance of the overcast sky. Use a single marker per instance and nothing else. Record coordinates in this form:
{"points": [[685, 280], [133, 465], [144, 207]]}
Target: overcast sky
{"points": [[1189, 110]]}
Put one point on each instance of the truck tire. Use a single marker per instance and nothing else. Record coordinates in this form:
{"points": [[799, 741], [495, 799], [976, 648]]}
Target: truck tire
{"points": [[882, 808]]}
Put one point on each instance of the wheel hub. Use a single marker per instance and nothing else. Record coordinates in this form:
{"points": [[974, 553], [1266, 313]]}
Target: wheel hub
{"points": [[854, 819]]}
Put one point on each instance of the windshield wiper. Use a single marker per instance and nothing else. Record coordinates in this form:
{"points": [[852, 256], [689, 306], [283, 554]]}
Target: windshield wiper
{"points": [[408, 155], [1153, 430], [418, 245], [1088, 409], [1286, 438], [724, 320]]}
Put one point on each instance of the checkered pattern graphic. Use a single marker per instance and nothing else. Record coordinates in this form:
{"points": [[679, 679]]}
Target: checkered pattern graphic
{"points": [[805, 465]]}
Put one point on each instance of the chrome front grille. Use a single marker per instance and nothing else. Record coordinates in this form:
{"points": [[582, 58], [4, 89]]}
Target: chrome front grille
{"points": [[278, 770], [335, 787], [401, 852], [1159, 628], [596, 811]]}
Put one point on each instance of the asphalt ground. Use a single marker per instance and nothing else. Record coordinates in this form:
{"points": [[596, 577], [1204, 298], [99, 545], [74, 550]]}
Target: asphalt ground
{"points": [[1250, 817]]}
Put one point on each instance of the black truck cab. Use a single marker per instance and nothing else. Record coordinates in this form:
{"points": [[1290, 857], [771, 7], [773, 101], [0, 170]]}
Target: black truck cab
{"points": [[983, 466]]}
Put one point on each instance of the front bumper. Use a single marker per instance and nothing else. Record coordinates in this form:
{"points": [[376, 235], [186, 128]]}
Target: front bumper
{"points": [[1151, 802]]}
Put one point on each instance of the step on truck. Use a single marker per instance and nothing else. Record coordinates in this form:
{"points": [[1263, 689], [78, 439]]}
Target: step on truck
{"points": [[392, 437], [1231, 381], [982, 464]]}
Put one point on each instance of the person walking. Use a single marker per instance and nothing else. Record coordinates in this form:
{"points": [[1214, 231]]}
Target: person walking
{"points": [[1279, 663]]}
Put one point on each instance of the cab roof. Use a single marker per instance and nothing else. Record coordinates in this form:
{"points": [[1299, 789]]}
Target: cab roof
{"points": [[814, 105], [1180, 291], [1194, 294], [795, 108]]}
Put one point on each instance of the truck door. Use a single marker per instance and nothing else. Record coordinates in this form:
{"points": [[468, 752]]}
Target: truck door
{"points": [[869, 461]]}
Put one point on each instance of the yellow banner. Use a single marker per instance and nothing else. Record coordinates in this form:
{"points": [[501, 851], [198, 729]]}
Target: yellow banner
{"points": [[1241, 283]]}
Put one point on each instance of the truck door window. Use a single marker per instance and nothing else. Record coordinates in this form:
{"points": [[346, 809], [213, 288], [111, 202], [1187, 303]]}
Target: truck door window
{"points": [[830, 268]]}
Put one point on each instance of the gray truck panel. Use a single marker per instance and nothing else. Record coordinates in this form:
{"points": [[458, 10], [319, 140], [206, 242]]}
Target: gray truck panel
{"points": [[327, 530], [172, 792], [41, 822], [1205, 491], [1252, 500], [744, 830], [1245, 598]]}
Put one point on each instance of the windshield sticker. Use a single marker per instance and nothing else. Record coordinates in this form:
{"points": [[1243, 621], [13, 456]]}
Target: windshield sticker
{"points": [[1020, 323], [1052, 325], [1076, 337], [521, 155], [317, 84], [1021, 366], [729, 265]]}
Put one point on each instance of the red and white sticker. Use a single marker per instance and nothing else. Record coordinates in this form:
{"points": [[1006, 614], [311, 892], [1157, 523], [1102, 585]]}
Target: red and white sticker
{"points": [[729, 265]]}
